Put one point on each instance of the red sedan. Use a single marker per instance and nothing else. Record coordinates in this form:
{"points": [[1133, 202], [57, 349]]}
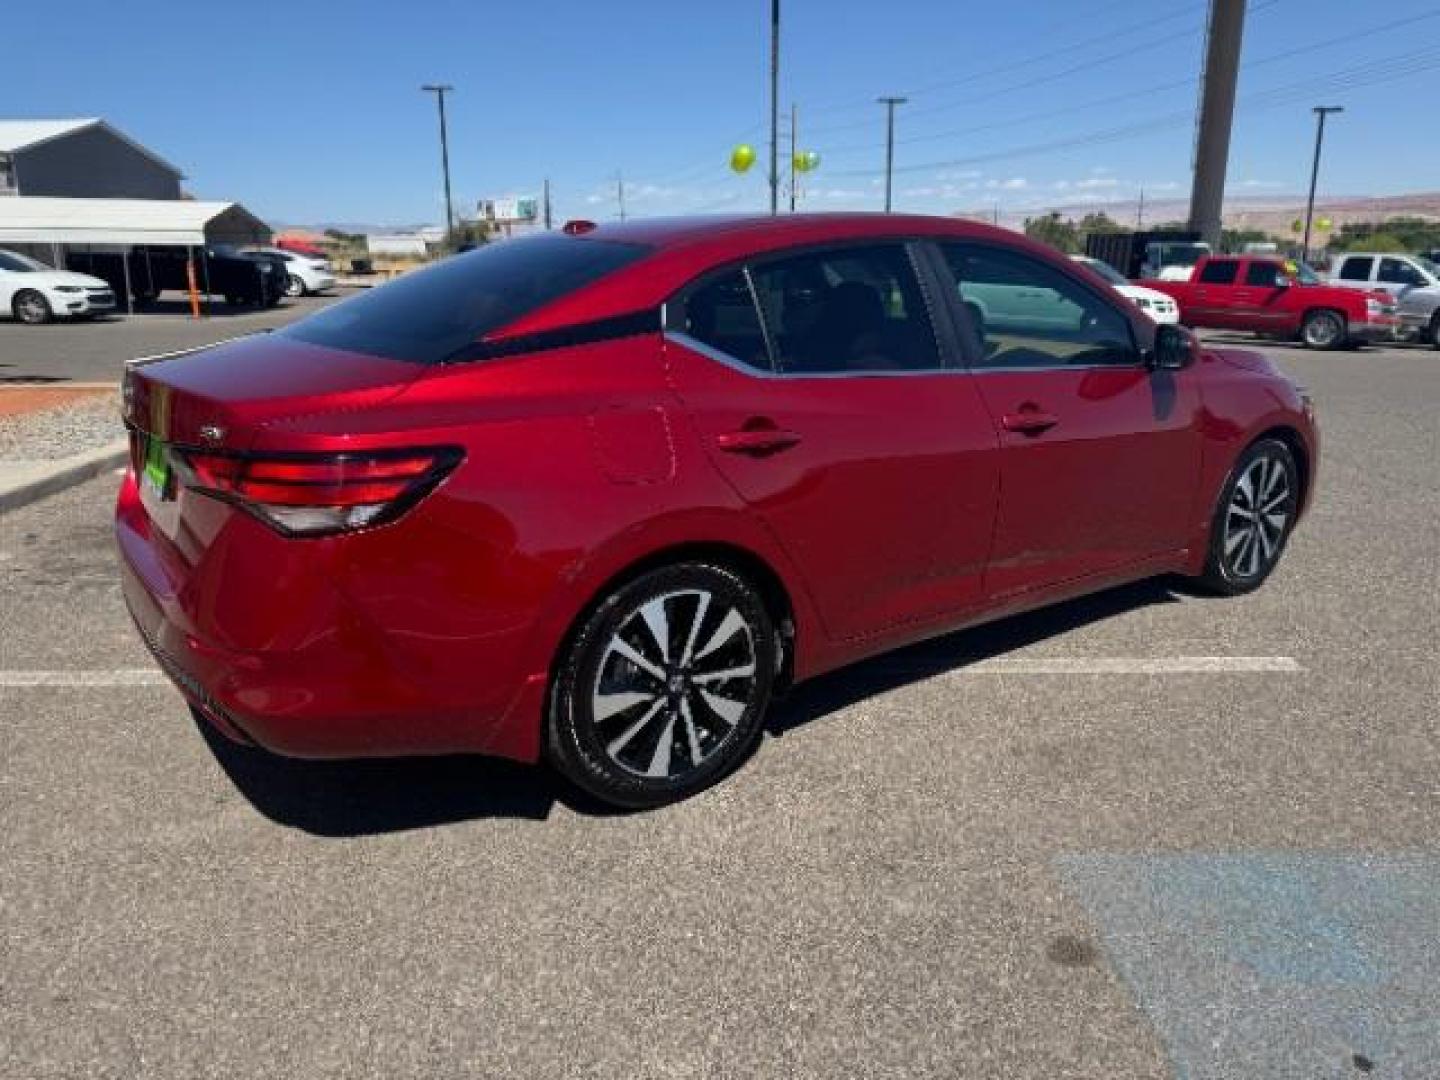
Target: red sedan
{"points": [[597, 497]]}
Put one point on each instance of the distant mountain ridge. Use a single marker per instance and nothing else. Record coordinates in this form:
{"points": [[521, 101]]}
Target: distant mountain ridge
{"points": [[1269, 213]]}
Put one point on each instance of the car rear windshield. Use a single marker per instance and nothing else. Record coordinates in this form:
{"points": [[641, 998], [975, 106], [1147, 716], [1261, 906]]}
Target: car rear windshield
{"points": [[429, 315]]}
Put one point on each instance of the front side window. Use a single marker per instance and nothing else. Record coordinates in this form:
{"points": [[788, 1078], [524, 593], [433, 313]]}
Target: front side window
{"points": [[1219, 272], [1266, 274], [1399, 272], [1029, 314], [430, 315], [20, 264], [848, 310], [1357, 269]]}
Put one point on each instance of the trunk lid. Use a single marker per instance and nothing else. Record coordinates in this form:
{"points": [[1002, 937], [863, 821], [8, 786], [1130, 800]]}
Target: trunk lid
{"points": [[221, 396]]}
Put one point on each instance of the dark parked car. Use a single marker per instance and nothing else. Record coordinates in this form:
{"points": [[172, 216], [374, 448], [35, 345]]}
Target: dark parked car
{"points": [[594, 497], [219, 271]]}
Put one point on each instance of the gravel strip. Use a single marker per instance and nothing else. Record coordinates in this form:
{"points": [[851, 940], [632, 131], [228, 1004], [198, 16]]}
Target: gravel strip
{"points": [[64, 430]]}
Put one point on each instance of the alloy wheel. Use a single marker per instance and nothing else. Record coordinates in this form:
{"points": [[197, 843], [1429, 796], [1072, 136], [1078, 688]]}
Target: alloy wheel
{"points": [[674, 682], [1322, 330], [30, 307], [1256, 518]]}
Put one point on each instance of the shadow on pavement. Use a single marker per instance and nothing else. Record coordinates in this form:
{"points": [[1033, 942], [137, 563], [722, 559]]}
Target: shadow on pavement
{"points": [[371, 796], [368, 796], [828, 693]]}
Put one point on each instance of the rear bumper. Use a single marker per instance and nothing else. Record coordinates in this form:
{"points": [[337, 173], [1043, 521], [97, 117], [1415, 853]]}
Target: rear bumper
{"points": [[330, 682]]}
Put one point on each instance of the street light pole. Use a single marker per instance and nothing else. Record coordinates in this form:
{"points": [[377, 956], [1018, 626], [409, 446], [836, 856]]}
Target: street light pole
{"points": [[889, 103], [774, 106], [440, 90], [1321, 111]]}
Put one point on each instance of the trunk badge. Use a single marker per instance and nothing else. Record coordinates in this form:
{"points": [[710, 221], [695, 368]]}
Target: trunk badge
{"points": [[212, 433]]}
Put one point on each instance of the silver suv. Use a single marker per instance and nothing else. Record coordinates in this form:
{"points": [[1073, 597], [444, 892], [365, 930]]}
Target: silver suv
{"points": [[1413, 280]]}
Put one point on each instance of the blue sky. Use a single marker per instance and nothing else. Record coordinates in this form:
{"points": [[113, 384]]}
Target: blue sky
{"points": [[309, 111]]}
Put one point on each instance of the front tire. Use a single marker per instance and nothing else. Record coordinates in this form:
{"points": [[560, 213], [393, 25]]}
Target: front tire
{"points": [[1253, 520], [31, 308], [295, 287], [1323, 330], [1435, 330], [664, 688]]}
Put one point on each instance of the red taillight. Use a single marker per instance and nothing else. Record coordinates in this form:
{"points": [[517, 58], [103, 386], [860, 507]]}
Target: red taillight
{"points": [[313, 495]]}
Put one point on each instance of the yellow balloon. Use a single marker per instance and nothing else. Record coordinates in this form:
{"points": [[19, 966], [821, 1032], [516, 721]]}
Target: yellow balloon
{"points": [[742, 157], [1324, 223]]}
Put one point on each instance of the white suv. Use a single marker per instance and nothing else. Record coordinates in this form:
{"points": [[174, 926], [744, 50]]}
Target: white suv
{"points": [[1413, 280], [305, 274]]}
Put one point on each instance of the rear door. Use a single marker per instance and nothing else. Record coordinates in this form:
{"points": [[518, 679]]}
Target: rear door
{"points": [[1100, 456], [822, 393], [1212, 292]]}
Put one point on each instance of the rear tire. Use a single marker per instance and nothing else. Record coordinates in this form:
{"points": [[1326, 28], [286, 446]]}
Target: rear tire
{"points": [[295, 287], [1324, 330], [1253, 519], [31, 308], [1435, 330], [663, 689]]}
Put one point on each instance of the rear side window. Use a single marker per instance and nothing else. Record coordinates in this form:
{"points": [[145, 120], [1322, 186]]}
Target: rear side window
{"points": [[847, 310], [1219, 272], [722, 315], [1262, 273], [429, 315], [1357, 269]]}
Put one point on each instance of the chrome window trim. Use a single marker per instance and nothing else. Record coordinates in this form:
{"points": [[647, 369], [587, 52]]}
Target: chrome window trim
{"points": [[712, 353]]}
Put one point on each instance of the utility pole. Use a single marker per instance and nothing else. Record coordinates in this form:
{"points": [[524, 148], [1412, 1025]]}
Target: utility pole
{"points": [[620, 193], [1140, 212], [889, 103], [1321, 111], [547, 204], [440, 90], [1217, 113], [774, 106], [793, 120]]}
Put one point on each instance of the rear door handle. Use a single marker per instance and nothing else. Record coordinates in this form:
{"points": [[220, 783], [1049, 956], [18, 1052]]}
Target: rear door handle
{"points": [[758, 442], [1029, 421]]}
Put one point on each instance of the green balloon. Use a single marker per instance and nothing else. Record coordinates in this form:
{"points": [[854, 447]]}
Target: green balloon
{"points": [[1297, 225], [742, 157], [807, 161], [1324, 223]]}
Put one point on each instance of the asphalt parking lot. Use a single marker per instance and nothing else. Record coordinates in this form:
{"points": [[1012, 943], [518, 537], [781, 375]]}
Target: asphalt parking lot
{"points": [[1141, 835], [96, 351]]}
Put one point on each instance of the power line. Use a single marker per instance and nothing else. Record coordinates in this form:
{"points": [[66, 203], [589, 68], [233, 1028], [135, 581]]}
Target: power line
{"points": [[1129, 95], [1386, 69]]}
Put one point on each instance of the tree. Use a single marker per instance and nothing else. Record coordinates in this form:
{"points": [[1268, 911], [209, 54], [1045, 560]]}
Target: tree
{"points": [[1233, 240], [1060, 233], [1099, 222]]}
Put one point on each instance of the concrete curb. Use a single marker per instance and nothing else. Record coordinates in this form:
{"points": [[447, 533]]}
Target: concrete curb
{"points": [[22, 483]]}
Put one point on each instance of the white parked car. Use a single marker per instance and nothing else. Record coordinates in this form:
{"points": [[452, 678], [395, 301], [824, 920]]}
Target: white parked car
{"points": [[1160, 308], [1413, 280], [32, 292], [305, 274]]}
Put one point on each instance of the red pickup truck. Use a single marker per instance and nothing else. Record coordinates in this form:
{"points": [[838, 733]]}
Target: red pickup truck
{"points": [[1279, 298]]}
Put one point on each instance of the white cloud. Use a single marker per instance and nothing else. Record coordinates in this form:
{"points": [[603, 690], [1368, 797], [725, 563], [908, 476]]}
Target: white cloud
{"points": [[1014, 183], [1091, 182]]}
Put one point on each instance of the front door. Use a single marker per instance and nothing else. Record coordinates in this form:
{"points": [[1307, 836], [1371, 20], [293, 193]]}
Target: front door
{"points": [[835, 417], [1100, 456]]}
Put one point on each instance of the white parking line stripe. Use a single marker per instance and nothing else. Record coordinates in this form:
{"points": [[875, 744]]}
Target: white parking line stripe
{"points": [[1103, 665], [113, 677], [1001, 665]]}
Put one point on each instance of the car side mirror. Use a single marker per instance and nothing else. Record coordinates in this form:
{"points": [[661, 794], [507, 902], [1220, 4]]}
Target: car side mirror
{"points": [[1175, 348]]}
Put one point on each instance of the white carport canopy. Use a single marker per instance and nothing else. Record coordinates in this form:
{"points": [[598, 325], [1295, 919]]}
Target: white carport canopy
{"points": [[178, 222]]}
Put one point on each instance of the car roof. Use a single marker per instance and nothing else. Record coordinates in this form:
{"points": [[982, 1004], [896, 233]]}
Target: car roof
{"points": [[669, 232], [683, 248]]}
